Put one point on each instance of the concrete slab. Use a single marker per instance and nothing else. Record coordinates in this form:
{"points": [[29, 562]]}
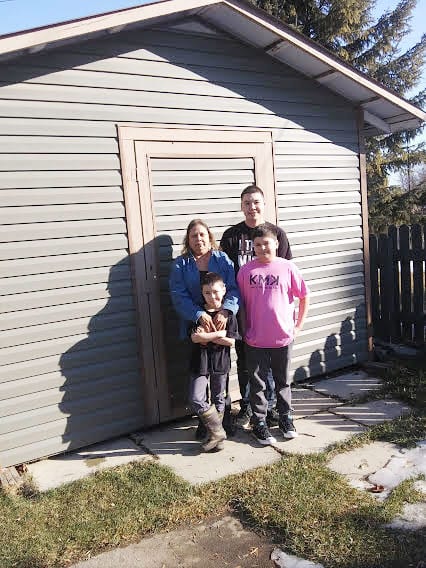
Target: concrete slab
{"points": [[211, 544], [347, 386], [316, 433], [383, 466], [404, 464], [356, 465], [374, 411], [58, 470], [306, 402], [176, 447]]}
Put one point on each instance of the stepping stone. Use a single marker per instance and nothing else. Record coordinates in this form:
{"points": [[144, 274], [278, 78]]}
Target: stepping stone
{"points": [[316, 433], [176, 447], [374, 411], [58, 470], [347, 386], [306, 402], [356, 465], [404, 464], [210, 544]]}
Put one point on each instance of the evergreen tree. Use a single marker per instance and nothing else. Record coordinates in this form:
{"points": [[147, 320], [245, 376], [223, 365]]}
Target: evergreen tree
{"points": [[346, 27]]}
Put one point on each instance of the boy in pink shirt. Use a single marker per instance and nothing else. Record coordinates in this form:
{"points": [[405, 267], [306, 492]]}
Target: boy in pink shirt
{"points": [[268, 286]]}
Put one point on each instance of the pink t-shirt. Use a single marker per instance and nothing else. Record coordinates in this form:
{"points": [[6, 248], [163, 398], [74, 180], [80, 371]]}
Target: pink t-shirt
{"points": [[268, 292]]}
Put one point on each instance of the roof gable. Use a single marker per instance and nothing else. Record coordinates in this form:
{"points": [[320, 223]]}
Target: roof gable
{"points": [[384, 111]]}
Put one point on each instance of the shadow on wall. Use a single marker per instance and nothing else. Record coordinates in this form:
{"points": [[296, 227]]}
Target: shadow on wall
{"points": [[176, 350], [103, 387], [340, 350]]}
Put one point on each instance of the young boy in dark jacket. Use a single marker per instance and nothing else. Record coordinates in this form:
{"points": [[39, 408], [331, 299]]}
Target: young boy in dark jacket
{"points": [[211, 362]]}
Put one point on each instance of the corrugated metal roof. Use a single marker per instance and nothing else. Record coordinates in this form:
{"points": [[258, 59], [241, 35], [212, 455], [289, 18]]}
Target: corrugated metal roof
{"points": [[385, 111]]}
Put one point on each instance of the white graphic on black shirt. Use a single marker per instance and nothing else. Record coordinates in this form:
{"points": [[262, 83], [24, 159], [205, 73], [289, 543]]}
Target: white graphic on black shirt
{"points": [[245, 250]]}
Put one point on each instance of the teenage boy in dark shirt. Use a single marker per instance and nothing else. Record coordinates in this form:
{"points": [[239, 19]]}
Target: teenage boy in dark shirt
{"points": [[237, 242]]}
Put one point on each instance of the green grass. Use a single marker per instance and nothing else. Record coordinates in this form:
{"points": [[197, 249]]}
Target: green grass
{"points": [[408, 383], [103, 511], [298, 503]]}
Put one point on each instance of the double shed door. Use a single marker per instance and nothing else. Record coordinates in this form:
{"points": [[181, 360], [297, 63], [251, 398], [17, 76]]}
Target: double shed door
{"points": [[170, 177]]}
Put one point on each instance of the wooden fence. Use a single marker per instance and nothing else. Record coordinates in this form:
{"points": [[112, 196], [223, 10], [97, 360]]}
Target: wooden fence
{"points": [[397, 262]]}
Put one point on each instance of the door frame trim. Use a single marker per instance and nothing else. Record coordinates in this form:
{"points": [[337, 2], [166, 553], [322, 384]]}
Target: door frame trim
{"points": [[137, 143]]}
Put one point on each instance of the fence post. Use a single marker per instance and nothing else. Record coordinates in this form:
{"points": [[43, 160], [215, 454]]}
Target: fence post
{"points": [[386, 286], [395, 310], [374, 283], [404, 246], [418, 256]]}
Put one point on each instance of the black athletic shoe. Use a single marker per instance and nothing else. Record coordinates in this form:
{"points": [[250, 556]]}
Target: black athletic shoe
{"points": [[272, 417], [262, 434], [287, 427]]}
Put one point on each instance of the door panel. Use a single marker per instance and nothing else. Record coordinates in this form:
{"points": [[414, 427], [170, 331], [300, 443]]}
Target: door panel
{"points": [[169, 242], [169, 182]]}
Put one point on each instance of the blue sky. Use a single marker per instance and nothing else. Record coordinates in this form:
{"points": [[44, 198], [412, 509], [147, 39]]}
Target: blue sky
{"points": [[18, 15]]}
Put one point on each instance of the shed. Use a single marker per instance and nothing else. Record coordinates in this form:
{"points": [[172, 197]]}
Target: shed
{"points": [[115, 131]]}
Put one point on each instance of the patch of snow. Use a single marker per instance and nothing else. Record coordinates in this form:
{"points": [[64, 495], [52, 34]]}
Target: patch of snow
{"points": [[420, 486], [404, 465], [412, 518], [283, 560]]}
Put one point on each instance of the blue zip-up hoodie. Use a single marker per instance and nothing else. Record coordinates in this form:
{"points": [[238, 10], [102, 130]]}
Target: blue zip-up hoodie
{"points": [[185, 287]]}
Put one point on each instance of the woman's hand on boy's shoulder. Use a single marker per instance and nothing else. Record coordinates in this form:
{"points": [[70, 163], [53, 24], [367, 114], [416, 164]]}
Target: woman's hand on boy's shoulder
{"points": [[220, 319], [205, 321]]}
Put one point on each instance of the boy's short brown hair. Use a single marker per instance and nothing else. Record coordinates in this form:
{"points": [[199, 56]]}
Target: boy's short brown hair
{"points": [[211, 278], [265, 231]]}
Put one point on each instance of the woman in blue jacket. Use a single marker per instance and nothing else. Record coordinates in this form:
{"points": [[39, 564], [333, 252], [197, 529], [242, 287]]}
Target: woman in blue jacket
{"points": [[199, 256]]}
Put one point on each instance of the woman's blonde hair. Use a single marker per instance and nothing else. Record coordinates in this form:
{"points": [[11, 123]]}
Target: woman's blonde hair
{"points": [[186, 249]]}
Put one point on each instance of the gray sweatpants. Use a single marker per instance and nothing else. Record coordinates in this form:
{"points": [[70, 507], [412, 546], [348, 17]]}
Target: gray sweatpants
{"points": [[198, 392], [259, 361]]}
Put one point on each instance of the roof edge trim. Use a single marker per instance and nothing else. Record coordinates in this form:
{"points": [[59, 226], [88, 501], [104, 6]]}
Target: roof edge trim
{"points": [[19, 41]]}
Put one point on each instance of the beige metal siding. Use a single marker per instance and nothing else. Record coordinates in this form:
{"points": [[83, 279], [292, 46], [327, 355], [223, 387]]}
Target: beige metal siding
{"points": [[69, 373]]}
